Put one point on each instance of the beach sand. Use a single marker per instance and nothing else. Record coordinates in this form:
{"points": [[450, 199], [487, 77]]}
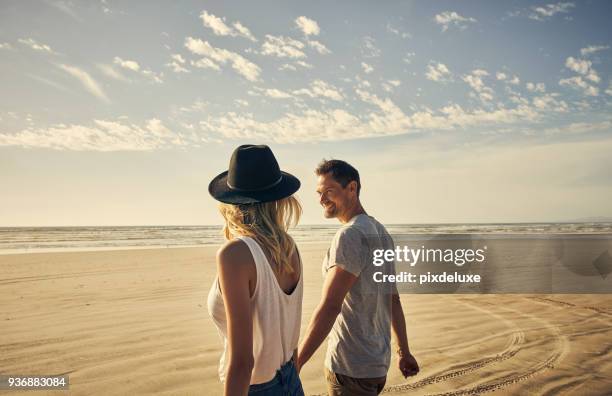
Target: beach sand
{"points": [[135, 322]]}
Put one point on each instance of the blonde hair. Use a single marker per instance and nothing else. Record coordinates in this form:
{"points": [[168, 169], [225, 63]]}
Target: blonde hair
{"points": [[268, 223]]}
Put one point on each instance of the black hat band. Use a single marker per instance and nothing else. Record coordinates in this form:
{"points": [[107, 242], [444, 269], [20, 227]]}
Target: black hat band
{"points": [[280, 178]]}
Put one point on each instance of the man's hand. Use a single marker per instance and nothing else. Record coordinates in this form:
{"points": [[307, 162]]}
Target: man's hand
{"points": [[408, 365]]}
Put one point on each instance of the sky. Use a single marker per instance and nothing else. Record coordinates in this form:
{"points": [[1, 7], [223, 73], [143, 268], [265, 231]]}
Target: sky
{"points": [[120, 113]]}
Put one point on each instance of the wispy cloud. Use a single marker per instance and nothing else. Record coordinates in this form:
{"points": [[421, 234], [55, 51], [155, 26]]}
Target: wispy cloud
{"points": [[35, 45], [366, 68], [110, 71], [48, 82], [86, 80], [5, 46], [321, 89], [539, 87], [396, 31], [437, 72], [241, 65], [276, 94], [282, 47], [583, 67], [577, 82], [220, 28], [127, 64], [101, 136], [451, 18], [591, 49], [474, 80], [135, 67], [545, 12], [369, 48], [66, 7], [308, 26], [319, 47], [177, 64]]}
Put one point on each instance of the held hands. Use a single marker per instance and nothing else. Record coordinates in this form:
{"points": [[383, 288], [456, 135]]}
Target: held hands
{"points": [[408, 365]]}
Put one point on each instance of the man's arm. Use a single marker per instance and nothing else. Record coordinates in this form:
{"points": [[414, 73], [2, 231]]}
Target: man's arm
{"points": [[407, 363], [337, 284]]}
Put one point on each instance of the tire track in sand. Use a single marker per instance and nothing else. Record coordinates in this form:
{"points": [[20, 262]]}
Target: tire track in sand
{"points": [[558, 353], [517, 339]]}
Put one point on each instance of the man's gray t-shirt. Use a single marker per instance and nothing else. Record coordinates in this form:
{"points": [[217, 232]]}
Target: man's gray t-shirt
{"points": [[359, 344]]}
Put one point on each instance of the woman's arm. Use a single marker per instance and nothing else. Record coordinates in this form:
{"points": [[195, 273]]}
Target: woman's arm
{"points": [[236, 269]]}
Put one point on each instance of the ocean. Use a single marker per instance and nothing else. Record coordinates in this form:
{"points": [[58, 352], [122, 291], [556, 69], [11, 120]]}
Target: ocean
{"points": [[48, 239]]}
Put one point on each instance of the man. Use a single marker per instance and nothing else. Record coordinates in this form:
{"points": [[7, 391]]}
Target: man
{"points": [[356, 312]]}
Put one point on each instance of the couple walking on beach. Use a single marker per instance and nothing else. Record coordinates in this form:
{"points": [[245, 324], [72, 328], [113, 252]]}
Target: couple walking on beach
{"points": [[256, 300]]}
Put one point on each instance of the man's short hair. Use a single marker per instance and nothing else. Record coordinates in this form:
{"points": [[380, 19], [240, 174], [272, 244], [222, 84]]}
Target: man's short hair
{"points": [[341, 171]]}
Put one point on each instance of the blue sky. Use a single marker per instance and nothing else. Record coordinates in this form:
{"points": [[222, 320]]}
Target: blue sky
{"points": [[121, 112]]}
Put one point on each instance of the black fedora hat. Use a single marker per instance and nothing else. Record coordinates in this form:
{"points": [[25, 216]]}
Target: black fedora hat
{"points": [[253, 176]]}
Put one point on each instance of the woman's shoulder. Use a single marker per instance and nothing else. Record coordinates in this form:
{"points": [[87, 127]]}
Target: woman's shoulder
{"points": [[235, 253]]}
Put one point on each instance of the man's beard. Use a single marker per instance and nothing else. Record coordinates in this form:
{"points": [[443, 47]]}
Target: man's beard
{"points": [[329, 212]]}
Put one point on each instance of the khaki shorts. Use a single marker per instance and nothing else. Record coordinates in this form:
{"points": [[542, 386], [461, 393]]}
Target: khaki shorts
{"points": [[343, 385]]}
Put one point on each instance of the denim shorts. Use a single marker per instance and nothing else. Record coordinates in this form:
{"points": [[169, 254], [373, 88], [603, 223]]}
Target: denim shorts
{"points": [[286, 382]]}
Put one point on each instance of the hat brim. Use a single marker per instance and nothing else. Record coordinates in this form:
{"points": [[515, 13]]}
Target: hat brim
{"points": [[220, 191]]}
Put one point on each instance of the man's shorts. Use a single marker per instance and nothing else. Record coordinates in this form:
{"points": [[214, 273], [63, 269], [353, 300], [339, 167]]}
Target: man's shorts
{"points": [[343, 385]]}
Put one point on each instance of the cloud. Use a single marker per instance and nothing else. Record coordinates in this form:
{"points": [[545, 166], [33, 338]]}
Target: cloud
{"points": [[591, 49], [474, 80], [389, 85], [321, 89], [49, 82], [338, 124], [87, 81], [177, 64], [408, 57], [241, 65], [206, 63], [397, 32], [282, 47], [577, 82], [219, 28], [307, 26], [244, 31], [367, 68], [580, 128], [451, 18], [5, 46], [584, 67], [542, 13], [101, 136], [539, 87], [549, 102], [437, 72], [276, 94], [135, 67], [287, 66], [514, 81], [293, 66], [110, 71], [127, 64], [369, 48], [30, 42], [501, 76], [608, 91], [320, 48], [66, 8]]}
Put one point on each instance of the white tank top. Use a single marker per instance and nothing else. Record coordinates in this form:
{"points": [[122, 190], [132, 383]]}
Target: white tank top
{"points": [[276, 319]]}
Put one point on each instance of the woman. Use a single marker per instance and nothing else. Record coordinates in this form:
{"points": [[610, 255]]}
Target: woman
{"points": [[256, 300]]}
